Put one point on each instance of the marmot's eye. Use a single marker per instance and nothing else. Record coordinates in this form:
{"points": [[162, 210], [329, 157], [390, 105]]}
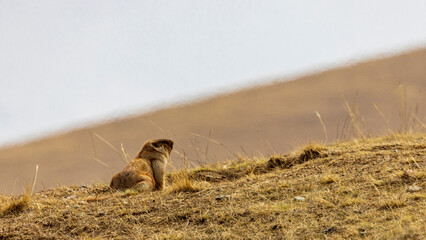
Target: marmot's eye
{"points": [[155, 144]]}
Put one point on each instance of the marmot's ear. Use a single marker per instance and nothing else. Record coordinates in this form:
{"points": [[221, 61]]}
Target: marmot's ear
{"points": [[154, 144], [168, 143], [165, 142]]}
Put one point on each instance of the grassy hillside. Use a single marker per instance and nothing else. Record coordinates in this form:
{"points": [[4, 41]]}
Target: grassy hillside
{"points": [[366, 188], [257, 121]]}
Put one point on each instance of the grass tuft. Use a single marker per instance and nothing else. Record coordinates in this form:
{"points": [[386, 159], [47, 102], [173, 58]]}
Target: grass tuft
{"points": [[308, 152], [391, 204], [181, 182], [327, 179], [311, 151], [16, 206]]}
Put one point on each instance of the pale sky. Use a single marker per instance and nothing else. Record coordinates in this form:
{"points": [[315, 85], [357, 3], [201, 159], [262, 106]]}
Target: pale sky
{"points": [[69, 63]]}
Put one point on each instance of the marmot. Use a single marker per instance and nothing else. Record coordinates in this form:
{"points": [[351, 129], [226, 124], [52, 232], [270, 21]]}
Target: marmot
{"points": [[147, 172]]}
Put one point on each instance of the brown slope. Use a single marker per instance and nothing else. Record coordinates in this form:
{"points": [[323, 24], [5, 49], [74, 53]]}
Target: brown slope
{"points": [[266, 119], [318, 192]]}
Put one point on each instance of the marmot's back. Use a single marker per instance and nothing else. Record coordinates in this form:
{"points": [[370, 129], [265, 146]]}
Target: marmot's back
{"points": [[129, 177]]}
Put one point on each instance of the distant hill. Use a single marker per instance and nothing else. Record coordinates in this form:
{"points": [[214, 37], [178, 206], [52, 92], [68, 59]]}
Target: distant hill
{"points": [[256, 121]]}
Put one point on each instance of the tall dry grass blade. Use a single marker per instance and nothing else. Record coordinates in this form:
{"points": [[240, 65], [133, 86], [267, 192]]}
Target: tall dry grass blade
{"points": [[354, 120], [260, 136], [126, 155], [197, 151], [416, 163], [14, 184], [187, 162], [178, 153], [347, 123], [102, 163], [202, 155], [155, 125], [216, 142], [93, 145], [344, 127], [243, 150], [403, 107], [412, 119], [323, 126], [270, 147], [384, 117], [419, 121], [34, 180], [96, 154], [207, 147], [110, 145]]}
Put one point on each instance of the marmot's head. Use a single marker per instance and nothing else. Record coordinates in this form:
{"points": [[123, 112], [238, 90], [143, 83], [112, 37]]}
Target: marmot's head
{"points": [[154, 147]]}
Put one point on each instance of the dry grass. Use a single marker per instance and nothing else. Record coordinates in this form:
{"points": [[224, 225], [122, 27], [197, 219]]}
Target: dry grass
{"points": [[329, 178], [366, 188], [14, 205], [181, 182]]}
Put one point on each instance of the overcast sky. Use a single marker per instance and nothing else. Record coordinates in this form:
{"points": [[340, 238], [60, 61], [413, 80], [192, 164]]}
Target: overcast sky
{"points": [[69, 63]]}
